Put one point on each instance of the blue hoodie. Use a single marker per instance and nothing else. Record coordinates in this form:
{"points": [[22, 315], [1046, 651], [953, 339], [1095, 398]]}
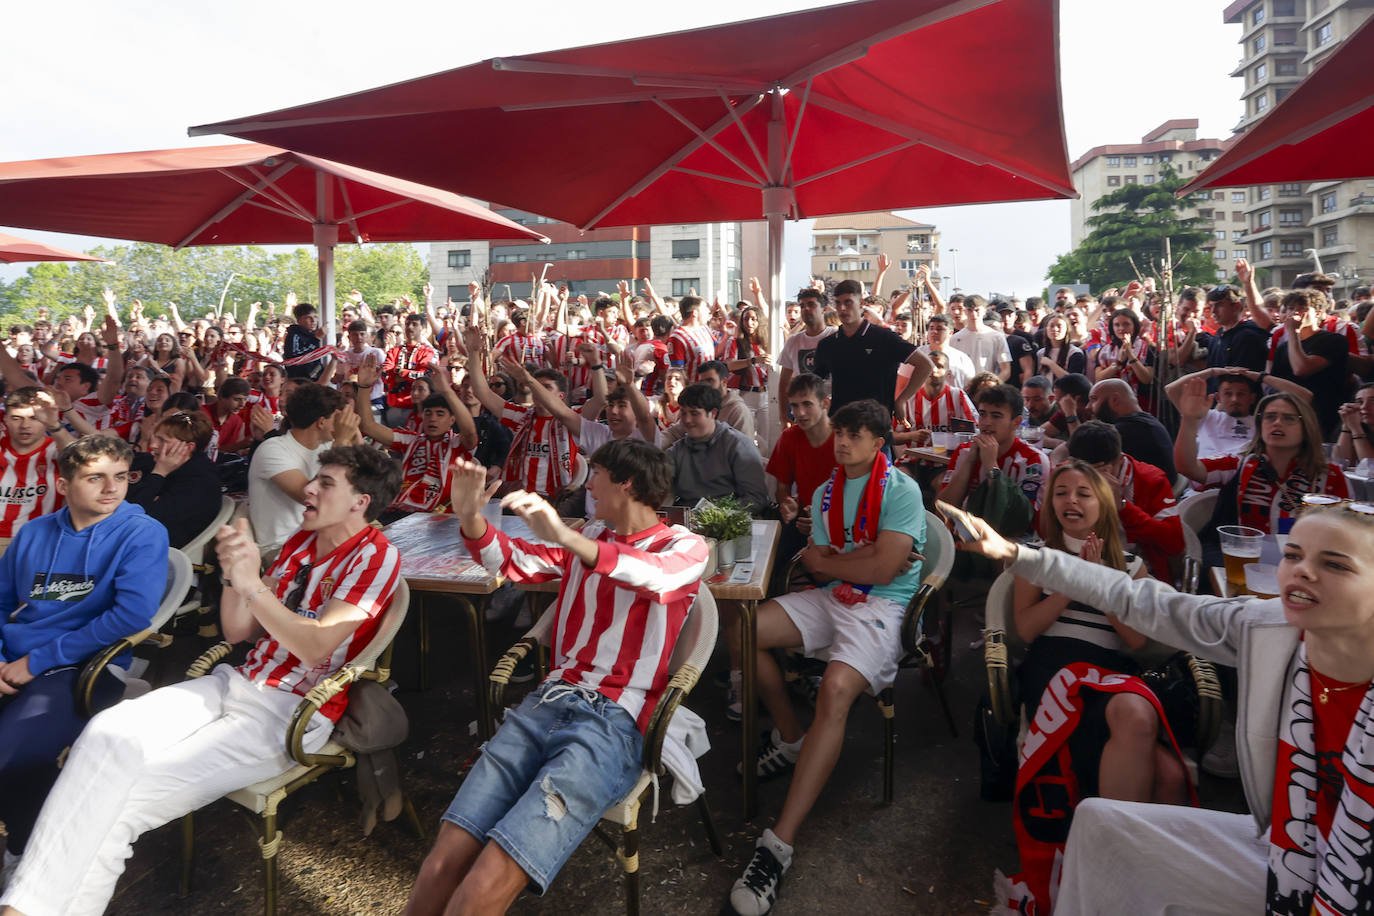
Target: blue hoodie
{"points": [[65, 594]]}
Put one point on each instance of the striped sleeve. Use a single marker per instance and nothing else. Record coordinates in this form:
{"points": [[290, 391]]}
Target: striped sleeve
{"points": [[516, 560], [661, 573], [1220, 469], [370, 580]]}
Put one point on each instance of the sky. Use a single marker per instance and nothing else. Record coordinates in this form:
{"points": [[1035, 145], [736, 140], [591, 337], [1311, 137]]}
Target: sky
{"points": [[101, 78]]}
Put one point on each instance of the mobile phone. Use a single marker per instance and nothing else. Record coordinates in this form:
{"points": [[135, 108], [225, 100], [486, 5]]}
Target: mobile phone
{"points": [[958, 520]]}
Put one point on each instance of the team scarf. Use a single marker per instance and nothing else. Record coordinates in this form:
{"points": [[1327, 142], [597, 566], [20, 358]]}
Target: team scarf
{"points": [[563, 443], [1047, 789], [226, 346], [865, 518], [1309, 873]]}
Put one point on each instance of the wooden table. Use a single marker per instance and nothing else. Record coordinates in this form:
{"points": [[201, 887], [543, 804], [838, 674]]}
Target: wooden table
{"points": [[434, 560], [926, 453]]}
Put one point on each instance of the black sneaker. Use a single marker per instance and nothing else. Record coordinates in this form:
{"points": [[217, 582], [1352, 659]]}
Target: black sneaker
{"points": [[755, 893], [775, 758]]}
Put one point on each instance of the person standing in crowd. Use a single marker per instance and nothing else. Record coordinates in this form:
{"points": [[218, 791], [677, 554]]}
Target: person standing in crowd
{"points": [[746, 363], [960, 367], [985, 346], [862, 359], [1058, 356], [404, 363], [733, 410], [799, 350], [1021, 350], [802, 460], [1357, 419], [1238, 340], [1301, 351], [351, 357], [305, 336], [691, 344]]}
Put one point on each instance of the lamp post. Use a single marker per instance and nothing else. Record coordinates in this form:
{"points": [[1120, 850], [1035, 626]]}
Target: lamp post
{"points": [[953, 269]]}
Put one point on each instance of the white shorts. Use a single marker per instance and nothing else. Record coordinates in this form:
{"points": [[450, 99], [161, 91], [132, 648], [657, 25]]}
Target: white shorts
{"points": [[867, 637]]}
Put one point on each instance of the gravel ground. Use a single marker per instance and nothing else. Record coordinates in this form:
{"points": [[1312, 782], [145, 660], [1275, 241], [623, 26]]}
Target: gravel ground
{"points": [[932, 851]]}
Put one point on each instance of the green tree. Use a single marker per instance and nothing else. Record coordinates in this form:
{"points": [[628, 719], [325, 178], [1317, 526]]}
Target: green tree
{"points": [[1132, 222]]}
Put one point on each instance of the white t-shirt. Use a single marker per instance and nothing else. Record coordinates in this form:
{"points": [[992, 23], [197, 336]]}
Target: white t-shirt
{"points": [[593, 435], [274, 514], [987, 348], [961, 369], [353, 360], [1219, 434], [799, 352]]}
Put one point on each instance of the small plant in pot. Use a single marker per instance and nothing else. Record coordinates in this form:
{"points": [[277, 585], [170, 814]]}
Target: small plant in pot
{"points": [[725, 521]]}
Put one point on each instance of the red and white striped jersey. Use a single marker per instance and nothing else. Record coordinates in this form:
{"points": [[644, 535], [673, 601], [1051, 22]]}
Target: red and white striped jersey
{"points": [[99, 364], [925, 412], [363, 571], [28, 484], [1353, 338], [122, 415], [690, 347], [523, 348], [542, 451], [92, 411], [754, 376], [1110, 352], [257, 398], [425, 470], [1025, 464], [404, 365], [616, 622]]}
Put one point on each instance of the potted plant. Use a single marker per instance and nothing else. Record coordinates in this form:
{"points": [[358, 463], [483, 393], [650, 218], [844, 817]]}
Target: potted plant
{"points": [[725, 521]]}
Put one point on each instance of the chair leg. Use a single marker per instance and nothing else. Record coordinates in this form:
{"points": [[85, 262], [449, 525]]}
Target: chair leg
{"points": [[885, 703], [271, 840], [188, 851], [414, 818], [629, 860], [709, 823]]}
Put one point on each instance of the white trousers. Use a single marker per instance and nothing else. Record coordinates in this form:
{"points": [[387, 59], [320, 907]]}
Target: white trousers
{"points": [[1161, 859], [141, 764]]}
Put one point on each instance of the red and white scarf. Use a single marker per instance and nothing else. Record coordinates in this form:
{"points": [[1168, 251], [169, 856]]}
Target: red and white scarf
{"points": [[1310, 873], [1047, 788], [226, 346], [865, 529]]}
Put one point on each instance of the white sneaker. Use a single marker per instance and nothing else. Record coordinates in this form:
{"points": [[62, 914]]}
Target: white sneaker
{"points": [[755, 893]]}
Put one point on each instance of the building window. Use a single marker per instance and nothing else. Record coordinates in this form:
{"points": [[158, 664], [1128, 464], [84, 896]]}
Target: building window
{"points": [[1131, 179], [1285, 37], [686, 249], [1265, 192], [1237, 197], [1261, 72], [1219, 254], [834, 265], [1329, 236], [1263, 220], [1239, 253], [1237, 234], [461, 258], [1237, 216], [865, 265], [1222, 275], [910, 264], [1290, 248], [1149, 179], [575, 254], [1113, 162], [1148, 159], [1281, 94], [1292, 189], [1290, 217], [1329, 202], [1285, 7], [1166, 157], [1113, 181], [683, 286], [1258, 16], [1266, 250], [1259, 44], [1220, 234], [1205, 214], [1128, 162], [1218, 195], [1286, 66], [1261, 103], [1323, 34], [457, 293], [918, 243]]}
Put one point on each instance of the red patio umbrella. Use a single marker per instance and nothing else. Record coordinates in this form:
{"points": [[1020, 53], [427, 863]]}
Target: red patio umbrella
{"points": [[14, 249], [1319, 132], [239, 194], [865, 106]]}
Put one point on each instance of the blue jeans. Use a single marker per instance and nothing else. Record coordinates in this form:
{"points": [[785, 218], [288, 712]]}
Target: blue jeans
{"points": [[555, 765]]}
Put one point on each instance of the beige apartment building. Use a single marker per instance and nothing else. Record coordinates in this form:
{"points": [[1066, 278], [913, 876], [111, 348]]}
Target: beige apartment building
{"points": [[1175, 143], [847, 248], [1281, 41]]}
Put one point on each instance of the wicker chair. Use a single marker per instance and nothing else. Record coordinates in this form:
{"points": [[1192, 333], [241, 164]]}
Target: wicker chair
{"points": [[693, 650], [178, 582], [263, 798], [1004, 648], [926, 637]]}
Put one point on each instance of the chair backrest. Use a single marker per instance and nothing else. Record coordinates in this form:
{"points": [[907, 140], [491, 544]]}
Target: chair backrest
{"points": [[697, 639], [939, 551], [1196, 511], [195, 548], [179, 579], [392, 618], [1181, 485], [1001, 615]]}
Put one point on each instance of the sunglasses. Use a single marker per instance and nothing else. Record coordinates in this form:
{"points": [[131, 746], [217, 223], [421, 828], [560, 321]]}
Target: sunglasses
{"points": [[297, 591]]}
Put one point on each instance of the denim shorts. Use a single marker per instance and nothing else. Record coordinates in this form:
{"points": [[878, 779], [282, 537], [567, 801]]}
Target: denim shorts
{"points": [[555, 765]]}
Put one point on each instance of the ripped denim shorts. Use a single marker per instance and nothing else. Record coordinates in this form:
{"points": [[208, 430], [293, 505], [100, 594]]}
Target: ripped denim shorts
{"points": [[555, 765]]}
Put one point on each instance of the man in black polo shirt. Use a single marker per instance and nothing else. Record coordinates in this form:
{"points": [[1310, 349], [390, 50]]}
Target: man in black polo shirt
{"points": [[862, 359], [1236, 342]]}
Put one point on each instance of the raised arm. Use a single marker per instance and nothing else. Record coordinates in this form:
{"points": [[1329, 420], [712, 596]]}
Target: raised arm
{"points": [[114, 367], [1246, 275], [543, 397], [644, 418], [368, 373], [659, 305], [476, 343], [442, 381], [1192, 403]]}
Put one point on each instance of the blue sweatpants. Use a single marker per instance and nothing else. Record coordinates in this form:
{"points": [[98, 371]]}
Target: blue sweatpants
{"points": [[36, 725]]}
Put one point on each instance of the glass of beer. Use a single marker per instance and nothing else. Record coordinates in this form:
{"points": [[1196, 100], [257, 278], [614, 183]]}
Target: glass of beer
{"points": [[1240, 546], [939, 442]]}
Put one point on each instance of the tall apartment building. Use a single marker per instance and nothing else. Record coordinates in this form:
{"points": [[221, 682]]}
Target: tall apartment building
{"points": [[847, 248], [1281, 41], [1175, 143], [707, 257]]}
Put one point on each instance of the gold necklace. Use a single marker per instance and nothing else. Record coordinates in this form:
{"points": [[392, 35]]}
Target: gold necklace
{"points": [[1325, 696]]}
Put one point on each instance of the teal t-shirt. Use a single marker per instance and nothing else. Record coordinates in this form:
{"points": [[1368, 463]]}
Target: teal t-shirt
{"points": [[902, 511]]}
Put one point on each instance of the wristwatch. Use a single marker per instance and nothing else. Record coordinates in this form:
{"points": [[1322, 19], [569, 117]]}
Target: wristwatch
{"points": [[994, 473]]}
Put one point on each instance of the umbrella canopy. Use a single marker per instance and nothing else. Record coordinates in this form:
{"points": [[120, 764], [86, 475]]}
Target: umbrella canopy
{"points": [[1319, 132], [865, 106], [239, 194], [13, 249]]}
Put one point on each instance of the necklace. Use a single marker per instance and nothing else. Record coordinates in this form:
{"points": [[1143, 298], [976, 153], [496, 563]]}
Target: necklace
{"points": [[1325, 696]]}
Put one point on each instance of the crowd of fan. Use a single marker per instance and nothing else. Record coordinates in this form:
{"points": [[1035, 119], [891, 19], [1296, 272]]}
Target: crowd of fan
{"points": [[1079, 422]]}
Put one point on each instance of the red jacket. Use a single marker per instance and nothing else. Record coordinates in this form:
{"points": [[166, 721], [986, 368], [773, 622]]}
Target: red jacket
{"points": [[1150, 515]]}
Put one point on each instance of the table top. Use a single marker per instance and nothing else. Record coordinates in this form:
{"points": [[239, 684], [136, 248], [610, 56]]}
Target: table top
{"points": [[433, 557], [926, 453]]}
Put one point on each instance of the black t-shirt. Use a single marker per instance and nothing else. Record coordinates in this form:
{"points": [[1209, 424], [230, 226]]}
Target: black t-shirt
{"points": [[1145, 439], [1328, 385], [1246, 345], [1019, 347], [299, 341], [861, 366]]}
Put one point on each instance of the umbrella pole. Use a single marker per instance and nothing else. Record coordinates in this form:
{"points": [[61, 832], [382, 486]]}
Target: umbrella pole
{"points": [[324, 247]]}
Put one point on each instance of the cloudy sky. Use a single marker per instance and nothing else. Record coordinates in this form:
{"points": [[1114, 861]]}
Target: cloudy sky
{"points": [[92, 77]]}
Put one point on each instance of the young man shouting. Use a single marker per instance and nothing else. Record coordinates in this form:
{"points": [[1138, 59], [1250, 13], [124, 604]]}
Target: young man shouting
{"points": [[573, 747], [867, 519], [148, 761]]}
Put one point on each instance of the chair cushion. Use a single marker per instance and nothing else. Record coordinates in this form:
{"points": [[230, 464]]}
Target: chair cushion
{"points": [[624, 812], [254, 797]]}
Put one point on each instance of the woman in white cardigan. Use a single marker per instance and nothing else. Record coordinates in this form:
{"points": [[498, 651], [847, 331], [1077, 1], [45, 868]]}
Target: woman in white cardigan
{"points": [[1304, 735]]}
